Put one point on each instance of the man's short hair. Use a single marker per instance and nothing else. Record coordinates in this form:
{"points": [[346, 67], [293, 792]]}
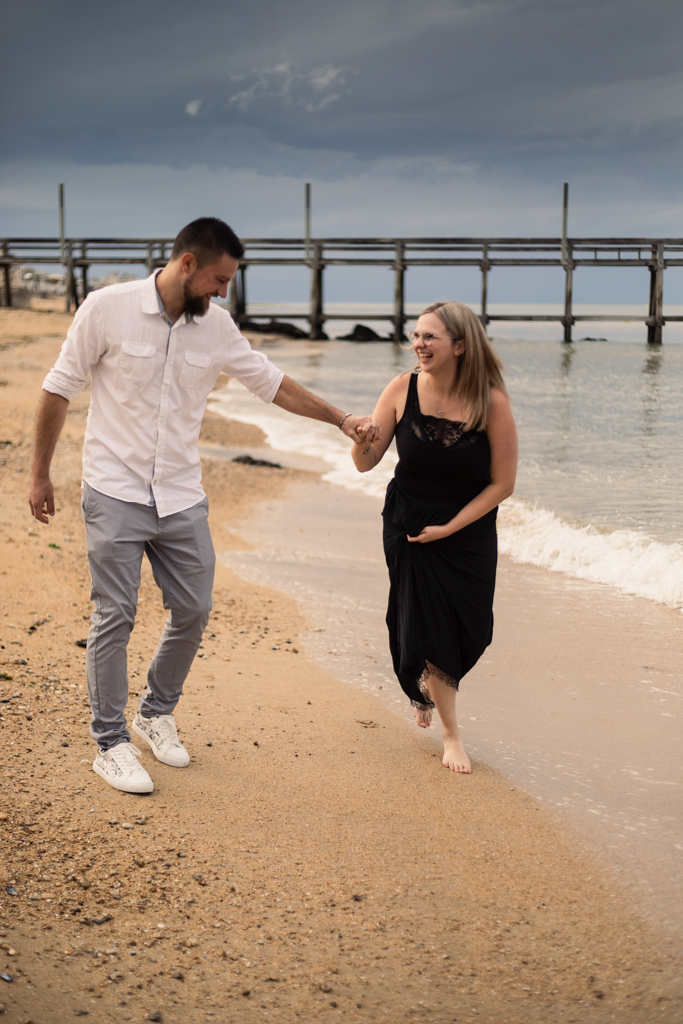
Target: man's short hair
{"points": [[208, 238]]}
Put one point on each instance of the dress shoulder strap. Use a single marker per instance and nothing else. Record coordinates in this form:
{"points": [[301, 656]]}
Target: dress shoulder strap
{"points": [[412, 399]]}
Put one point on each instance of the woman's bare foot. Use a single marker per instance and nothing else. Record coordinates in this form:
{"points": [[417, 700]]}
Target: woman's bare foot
{"points": [[423, 717], [454, 756]]}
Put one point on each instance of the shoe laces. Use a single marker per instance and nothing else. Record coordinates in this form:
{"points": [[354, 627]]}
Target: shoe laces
{"points": [[166, 728], [126, 755]]}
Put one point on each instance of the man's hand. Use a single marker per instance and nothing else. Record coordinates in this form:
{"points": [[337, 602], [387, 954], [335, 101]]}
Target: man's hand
{"points": [[50, 419], [362, 429], [41, 498], [295, 398]]}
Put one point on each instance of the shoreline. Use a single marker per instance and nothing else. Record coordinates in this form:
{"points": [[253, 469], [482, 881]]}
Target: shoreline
{"points": [[312, 853]]}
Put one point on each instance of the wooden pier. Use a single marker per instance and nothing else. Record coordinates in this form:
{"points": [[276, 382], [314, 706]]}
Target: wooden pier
{"points": [[79, 255]]}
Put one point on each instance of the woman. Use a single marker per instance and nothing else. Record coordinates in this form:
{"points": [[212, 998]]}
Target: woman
{"points": [[457, 448]]}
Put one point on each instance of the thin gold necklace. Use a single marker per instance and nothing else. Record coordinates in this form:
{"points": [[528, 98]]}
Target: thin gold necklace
{"points": [[439, 412]]}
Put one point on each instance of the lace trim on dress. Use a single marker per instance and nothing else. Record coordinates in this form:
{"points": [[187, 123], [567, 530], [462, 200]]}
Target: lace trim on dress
{"points": [[444, 433], [428, 702], [432, 670]]}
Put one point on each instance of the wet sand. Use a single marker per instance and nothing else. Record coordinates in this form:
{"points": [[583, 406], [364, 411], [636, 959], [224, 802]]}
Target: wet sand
{"points": [[314, 861]]}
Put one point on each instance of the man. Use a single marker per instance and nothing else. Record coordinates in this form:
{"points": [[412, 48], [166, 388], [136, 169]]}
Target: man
{"points": [[153, 350]]}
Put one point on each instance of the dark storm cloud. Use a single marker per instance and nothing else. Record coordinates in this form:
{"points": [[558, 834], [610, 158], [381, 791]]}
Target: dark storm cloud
{"points": [[282, 86]]}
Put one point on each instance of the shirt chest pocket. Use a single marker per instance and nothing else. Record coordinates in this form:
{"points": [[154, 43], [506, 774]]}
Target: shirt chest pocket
{"points": [[194, 369], [136, 362]]}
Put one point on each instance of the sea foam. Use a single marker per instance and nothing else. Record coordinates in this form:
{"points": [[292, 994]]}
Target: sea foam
{"points": [[288, 433], [625, 559]]}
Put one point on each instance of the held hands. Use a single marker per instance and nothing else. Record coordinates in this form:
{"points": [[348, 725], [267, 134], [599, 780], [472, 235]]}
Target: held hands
{"points": [[431, 533], [41, 498], [362, 429]]}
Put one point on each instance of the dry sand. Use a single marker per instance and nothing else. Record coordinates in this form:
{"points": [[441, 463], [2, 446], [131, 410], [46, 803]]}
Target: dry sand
{"points": [[314, 861]]}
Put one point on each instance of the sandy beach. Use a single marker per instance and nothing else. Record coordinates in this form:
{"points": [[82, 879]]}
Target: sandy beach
{"points": [[314, 861]]}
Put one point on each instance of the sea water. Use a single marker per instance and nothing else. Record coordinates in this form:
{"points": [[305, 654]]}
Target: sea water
{"points": [[599, 493]]}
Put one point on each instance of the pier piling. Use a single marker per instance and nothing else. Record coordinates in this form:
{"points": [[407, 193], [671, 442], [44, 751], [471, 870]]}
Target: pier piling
{"points": [[71, 295], [316, 317], [307, 219], [399, 292], [62, 222], [485, 267], [238, 295], [568, 265], [568, 319], [655, 319], [84, 269], [7, 275]]}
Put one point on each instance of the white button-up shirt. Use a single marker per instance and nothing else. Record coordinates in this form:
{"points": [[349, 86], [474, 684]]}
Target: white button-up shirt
{"points": [[149, 390]]}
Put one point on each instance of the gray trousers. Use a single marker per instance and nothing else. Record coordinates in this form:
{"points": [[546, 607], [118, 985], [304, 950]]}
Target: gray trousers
{"points": [[181, 554]]}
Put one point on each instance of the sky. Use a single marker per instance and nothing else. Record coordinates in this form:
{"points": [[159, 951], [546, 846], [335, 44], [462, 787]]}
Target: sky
{"points": [[432, 118]]}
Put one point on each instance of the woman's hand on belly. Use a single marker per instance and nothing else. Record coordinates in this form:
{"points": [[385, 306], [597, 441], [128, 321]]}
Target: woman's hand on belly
{"points": [[430, 533]]}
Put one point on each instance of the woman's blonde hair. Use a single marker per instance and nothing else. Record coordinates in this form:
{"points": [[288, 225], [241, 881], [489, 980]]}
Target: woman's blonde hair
{"points": [[479, 368]]}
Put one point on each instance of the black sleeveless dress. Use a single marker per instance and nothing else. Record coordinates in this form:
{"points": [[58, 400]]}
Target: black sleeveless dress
{"points": [[441, 596]]}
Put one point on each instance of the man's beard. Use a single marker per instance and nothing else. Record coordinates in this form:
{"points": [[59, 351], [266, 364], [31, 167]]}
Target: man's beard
{"points": [[195, 305]]}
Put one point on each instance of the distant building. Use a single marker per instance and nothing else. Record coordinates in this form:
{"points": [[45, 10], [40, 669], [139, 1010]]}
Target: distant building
{"points": [[26, 283], [113, 278]]}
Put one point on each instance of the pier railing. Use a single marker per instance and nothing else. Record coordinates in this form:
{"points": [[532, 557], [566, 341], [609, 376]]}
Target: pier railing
{"points": [[79, 255]]}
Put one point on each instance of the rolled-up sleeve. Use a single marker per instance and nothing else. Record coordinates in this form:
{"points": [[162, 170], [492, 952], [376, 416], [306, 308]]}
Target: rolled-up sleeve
{"points": [[79, 353], [251, 367]]}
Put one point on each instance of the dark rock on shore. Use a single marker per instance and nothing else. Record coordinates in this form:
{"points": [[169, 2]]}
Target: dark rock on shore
{"points": [[249, 460], [363, 333], [275, 327]]}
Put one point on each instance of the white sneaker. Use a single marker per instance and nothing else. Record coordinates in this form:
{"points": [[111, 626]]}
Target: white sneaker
{"points": [[161, 734], [122, 770]]}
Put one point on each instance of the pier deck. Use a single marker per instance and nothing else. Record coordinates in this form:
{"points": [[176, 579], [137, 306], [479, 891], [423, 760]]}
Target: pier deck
{"points": [[78, 255]]}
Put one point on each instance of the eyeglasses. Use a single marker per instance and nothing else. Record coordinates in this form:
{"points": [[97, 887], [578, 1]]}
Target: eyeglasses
{"points": [[428, 339]]}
